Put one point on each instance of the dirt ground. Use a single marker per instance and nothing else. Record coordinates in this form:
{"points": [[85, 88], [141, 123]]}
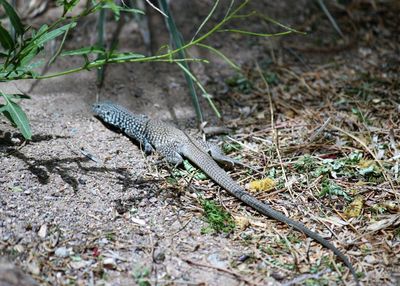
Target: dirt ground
{"points": [[82, 205]]}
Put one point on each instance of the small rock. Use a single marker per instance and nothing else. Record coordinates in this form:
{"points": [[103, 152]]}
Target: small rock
{"points": [[216, 261], [79, 264], [33, 268], [138, 221], [242, 222], [103, 241], [62, 252], [16, 141], [159, 257], [153, 200], [109, 263], [370, 259], [19, 248], [42, 233], [244, 257]]}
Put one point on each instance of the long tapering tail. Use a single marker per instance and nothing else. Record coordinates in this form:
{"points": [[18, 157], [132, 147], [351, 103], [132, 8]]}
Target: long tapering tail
{"points": [[218, 175]]}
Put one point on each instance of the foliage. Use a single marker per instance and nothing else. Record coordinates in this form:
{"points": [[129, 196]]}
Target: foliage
{"points": [[305, 163], [14, 113], [352, 167], [219, 220], [141, 276], [229, 147], [177, 41], [332, 189], [240, 82], [20, 55]]}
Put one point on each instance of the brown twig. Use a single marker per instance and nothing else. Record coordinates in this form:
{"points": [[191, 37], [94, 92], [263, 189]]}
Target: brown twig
{"points": [[234, 274]]}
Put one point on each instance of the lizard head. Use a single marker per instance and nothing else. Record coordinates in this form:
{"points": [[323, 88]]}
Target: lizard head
{"points": [[105, 111], [118, 116]]}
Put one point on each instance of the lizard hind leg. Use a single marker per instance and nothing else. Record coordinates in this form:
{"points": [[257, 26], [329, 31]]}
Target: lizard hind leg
{"points": [[170, 154], [218, 155]]}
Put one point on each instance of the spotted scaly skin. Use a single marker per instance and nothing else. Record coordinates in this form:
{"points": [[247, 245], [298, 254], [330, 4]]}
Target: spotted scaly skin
{"points": [[174, 144]]}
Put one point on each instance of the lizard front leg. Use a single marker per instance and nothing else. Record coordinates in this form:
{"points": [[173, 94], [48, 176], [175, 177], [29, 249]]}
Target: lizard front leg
{"points": [[142, 140], [147, 147]]}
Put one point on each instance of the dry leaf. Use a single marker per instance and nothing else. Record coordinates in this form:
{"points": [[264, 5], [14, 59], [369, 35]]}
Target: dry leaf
{"points": [[365, 163], [258, 224], [354, 208], [334, 220], [392, 206], [265, 185], [388, 221], [242, 222]]}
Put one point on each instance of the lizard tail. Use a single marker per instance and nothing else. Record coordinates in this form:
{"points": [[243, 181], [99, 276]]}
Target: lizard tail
{"points": [[218, 175]]}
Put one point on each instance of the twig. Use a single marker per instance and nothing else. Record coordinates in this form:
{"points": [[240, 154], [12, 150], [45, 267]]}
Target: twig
{"points": [[242, 144], [274, 131], [304, 277], [155, 8], [236, 275], [318, 131]]}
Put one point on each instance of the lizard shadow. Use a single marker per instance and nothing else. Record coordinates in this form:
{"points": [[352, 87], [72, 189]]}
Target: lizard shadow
{"points": [[6, 138], [70, 168]]}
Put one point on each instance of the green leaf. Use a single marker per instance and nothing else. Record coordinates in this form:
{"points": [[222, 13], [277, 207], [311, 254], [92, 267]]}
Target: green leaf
{"points": [[114, 8], [219, 53], [331, 188], [84, 51], [5, 39], [27, 57], [16, 96], [53, 34], [15, 20], [177, 41], [125, 56], [198, 175], [132, 10], [16, 115], [219, 220], [30, 44]]}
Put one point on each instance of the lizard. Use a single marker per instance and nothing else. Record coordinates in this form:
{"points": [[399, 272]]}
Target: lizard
{"points": [[174, 145]]}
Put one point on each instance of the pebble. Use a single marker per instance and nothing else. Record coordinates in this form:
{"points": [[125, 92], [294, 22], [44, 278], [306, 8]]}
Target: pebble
{"points": [[370, 259], [79, 264], [216, 261], [33, 268], [103, 241], [138, 221], [110, 263], [42, 233], [62, 252]]}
